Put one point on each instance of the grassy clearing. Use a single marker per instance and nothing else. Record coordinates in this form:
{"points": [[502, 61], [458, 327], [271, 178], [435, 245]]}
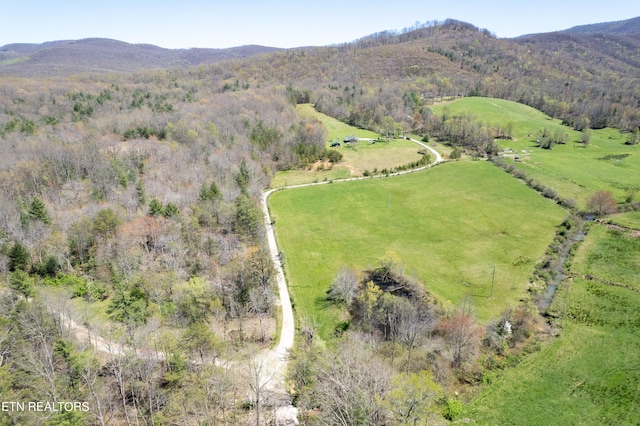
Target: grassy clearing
{"points": [[589, 375], [356, 158], [448, 225], [337, 130], [573, 171], [526, 121]]}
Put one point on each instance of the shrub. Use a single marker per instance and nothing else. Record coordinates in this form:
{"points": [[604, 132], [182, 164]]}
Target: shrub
{"points": [[49, 268], [452, 409]]}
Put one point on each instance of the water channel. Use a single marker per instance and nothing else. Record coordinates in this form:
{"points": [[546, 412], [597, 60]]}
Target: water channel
{"points": [[576, 234]]}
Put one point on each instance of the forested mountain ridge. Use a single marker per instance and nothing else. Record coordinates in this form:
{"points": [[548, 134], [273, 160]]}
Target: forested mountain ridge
{"points": [[561, 73], [582, 79], [68, 57], [625, 27]]}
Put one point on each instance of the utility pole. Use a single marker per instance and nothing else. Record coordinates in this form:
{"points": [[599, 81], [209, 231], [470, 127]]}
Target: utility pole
{"points": [[493, 280]]}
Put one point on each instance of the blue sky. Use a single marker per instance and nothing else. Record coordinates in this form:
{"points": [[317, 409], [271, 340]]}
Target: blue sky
{"points": [[220, 24]]}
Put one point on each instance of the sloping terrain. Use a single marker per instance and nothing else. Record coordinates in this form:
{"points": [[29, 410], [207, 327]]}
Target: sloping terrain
{"points": [[627, 26], [105, 55]]}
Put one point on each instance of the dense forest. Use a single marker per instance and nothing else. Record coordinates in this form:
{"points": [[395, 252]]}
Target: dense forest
{"points": [[129, 207]]}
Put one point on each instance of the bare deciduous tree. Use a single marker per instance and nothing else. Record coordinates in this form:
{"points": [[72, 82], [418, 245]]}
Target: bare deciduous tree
{"points": [[602, 203], [351, 383], [344, 287]]}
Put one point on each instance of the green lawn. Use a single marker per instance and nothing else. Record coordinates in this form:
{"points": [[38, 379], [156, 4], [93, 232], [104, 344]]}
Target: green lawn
{"points": [[449, 226], [589, 375], [573, 171], [357, 158]]}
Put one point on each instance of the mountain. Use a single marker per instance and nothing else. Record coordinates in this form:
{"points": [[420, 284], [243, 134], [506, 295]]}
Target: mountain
{"points": [[106, 55], [626, 27], [579, 78], [583, 75]]}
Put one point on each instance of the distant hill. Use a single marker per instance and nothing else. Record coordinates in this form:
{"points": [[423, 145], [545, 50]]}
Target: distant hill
{"points": [[106, 55], [597, 48], [626, 27]]}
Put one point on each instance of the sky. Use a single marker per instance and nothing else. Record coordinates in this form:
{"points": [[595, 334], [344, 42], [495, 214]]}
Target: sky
{"points": [[283, 23]]}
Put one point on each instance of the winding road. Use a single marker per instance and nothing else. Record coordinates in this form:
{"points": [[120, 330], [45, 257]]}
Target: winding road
{"points": [[277, 358], [272, 362]]}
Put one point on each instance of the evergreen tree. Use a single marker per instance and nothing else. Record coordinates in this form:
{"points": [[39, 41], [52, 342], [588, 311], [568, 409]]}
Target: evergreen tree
{"points": [[242, 179], [210, 192], [247, 218], [38, 211], [18, 257], [171, 210], [22, 282], [155, 208]]}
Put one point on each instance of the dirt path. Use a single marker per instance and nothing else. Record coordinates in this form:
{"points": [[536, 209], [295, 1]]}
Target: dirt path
{"points": [[287, 331]]}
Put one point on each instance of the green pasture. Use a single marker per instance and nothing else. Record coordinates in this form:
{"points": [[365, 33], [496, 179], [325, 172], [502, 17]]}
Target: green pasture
{"points": [[526, 121], [574, 171], [448, 225], [628, 220], [610, 255], [589, 375], [357, 158], [336, 129]]}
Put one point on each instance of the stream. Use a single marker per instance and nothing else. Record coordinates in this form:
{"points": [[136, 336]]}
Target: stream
{"points": [[557, 268]]}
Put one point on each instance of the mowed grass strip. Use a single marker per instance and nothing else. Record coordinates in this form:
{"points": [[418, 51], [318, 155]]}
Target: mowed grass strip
{"points": [[574, 171], [448, 225]]}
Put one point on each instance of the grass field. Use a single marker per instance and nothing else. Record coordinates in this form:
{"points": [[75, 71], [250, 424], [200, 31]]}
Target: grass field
{"points": [[448, 225], [356, 158], [610, 255], [589, 375], [573, 171], [628, 220]]}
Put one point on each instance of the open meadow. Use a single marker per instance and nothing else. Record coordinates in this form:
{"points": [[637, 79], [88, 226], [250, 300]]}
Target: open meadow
{"points": [[573, 170], [589, 374], [448, 226]]}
